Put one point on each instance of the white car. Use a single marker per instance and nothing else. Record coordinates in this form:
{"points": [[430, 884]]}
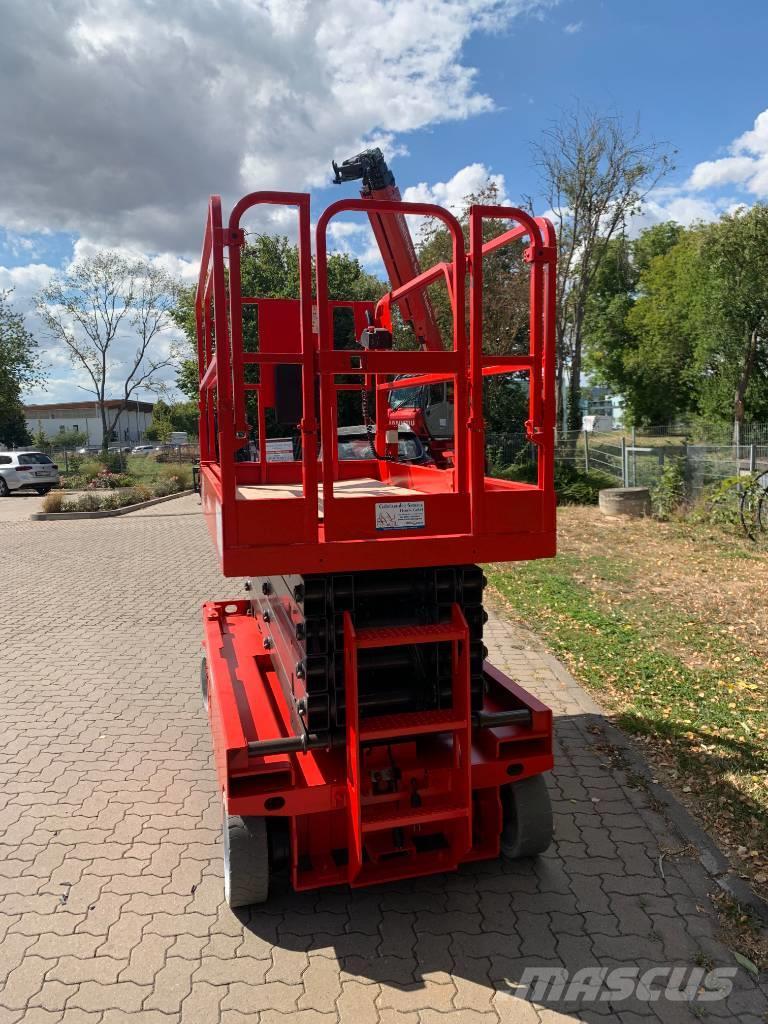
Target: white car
{"points": [[142, 449], [30, 470]]}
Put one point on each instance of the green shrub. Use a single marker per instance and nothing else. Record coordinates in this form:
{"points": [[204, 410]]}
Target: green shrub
{"points": [[181, 476], [115, 462], [573, 486], [90, 468], [87, 503], [53, 502], [107, 480], [668, 494], [111, 502], [75, 463], [526, 473], [74, 482], [137, 494], [718, 504]]}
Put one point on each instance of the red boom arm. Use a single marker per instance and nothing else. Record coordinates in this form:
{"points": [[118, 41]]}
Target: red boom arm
{"points": [[394, 241]]}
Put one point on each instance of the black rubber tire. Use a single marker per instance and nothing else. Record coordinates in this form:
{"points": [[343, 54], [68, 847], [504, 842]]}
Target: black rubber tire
{"points": [[4, 488], [204, 682], [246, 861], [42, 490], [527, 825]]}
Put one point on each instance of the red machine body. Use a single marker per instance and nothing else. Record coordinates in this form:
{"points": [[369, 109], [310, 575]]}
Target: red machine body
{"points": [[382, 795]]}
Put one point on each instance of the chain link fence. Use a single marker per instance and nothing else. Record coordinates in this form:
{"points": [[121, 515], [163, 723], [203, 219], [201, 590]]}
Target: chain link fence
{"points": [[637, 458]]}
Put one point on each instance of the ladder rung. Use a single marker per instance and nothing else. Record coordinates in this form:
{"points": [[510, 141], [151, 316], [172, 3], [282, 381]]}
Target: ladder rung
{"points": [[397, 636], [410, 723], [387, 816]]}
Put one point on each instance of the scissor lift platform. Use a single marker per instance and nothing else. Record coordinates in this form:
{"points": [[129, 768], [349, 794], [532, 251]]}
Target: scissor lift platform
{"points": [[359, 734]]}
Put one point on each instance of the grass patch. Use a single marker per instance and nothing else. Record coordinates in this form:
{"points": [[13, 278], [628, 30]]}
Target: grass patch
{"points": [[667, 625], [146, 470]]}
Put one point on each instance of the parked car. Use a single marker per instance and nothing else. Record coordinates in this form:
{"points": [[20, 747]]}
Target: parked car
{"points": [[143, 449], [354, 444], [27, 470], [89, 449]]}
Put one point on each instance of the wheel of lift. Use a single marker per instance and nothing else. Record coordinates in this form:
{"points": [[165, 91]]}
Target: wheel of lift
{"points": [[527, 818], [246, 860], [204, 681]]}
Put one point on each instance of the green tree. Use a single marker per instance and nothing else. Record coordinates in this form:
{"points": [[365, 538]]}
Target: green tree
{"points": [[677, 320], [611, 348], [660, 374], [71, 438], [506, 303], [270, 269], [731, 352], [39, 438], [161, 425], [102, 306], [187, 378], [19, 369]]}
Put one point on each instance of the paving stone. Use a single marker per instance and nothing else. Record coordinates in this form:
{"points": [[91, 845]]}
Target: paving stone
{"points": [[272, 995], [202, 1004], [109, 819], [24, 982], [71, 970], [288, 965], [357, 1003], [424, 996], [322, 985], [172, 984], [94, 995]]}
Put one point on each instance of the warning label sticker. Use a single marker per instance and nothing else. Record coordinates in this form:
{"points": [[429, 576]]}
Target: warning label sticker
{"points": [[400, 515]]}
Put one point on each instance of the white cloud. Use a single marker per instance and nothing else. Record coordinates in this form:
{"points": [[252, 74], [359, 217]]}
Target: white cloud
{"points": [[746, 167], [678, 204], [452, 193], [25, 280], [184, 270], [573, 27], [127, 114], [708, 192], [727, 171]]}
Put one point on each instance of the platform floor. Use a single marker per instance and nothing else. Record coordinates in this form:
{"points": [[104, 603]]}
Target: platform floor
{"points": [[362, 487]]}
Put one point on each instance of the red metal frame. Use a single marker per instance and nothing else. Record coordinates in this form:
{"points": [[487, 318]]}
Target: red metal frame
{"points": [[294, 517], [468, 517], [326, 795]]}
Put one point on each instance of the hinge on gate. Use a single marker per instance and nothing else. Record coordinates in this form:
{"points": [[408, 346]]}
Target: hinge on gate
{"points": [[540, 254], [235, 236]]}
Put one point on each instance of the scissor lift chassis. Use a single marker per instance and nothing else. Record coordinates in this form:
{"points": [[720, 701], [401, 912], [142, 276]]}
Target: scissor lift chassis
{"points": [[338, 830]]}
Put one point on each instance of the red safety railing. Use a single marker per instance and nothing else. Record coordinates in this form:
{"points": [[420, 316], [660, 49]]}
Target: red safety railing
{"points": [[451, 362], [461, 502]]}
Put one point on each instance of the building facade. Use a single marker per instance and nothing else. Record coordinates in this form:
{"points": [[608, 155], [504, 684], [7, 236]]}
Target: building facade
{"points": [[62, 417]]}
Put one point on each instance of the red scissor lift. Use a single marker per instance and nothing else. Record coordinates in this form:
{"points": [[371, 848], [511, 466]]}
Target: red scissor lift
{"points": [[359, 734]]}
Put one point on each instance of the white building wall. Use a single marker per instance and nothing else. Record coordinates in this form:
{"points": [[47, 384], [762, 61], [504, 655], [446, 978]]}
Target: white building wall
{"points": [[131, 426]]}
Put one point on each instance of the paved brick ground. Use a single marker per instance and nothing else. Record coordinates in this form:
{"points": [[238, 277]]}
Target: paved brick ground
{"points": [[110, 878]]}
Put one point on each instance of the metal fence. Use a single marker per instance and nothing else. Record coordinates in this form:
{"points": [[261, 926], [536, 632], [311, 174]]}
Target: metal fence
{"points": [[63, 456], [632, 460]]}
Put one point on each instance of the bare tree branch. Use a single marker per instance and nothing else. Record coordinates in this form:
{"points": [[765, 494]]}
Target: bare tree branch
{"points": [[95, 309], [596, 172]]}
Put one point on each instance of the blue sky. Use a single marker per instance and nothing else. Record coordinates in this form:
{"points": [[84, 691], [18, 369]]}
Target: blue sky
{"points": [[118, 138]]}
